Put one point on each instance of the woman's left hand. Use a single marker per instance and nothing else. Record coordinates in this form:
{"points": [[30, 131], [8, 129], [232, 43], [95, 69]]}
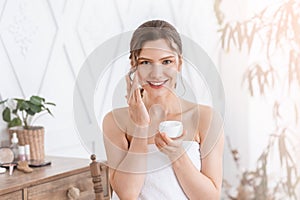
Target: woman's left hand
{"points": [[172, 147]]}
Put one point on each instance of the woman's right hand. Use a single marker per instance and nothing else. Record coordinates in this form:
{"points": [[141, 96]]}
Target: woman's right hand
{"points": [[137, 109]]}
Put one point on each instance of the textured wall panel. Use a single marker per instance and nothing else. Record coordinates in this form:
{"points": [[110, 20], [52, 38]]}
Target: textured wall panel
{"points": [[27, 28], [45, 42]]}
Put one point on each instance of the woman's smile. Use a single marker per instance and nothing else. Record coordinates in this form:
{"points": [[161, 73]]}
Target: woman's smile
{"points": [[157, 84]]}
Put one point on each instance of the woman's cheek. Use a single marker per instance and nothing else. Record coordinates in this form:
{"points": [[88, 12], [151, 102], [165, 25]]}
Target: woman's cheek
{"points": [[142, 78], [172, 73]]}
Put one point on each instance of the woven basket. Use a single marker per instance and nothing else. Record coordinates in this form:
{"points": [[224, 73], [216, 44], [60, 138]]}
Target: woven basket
{"points": [[34, 137]]}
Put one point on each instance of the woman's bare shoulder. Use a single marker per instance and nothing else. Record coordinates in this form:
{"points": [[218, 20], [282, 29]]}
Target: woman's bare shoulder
{"points": [[114, 129], [210, 123], [118, 112], [205, 109], [117, 117], [206, 113]]}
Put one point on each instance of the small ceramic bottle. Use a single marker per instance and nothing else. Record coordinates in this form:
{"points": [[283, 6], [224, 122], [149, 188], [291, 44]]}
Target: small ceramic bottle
{"points": [[22, 153], [15, 147], [27, 152]]}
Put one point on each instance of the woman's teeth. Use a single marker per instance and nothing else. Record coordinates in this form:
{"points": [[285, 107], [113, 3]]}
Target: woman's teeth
{"points": [[157, 83]]}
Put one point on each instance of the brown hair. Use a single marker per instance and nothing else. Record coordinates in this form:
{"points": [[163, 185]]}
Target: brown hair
{"points": [[153, 30]]}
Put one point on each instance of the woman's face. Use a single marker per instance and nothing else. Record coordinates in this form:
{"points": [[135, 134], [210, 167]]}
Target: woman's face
{"points": [[158, 66]]}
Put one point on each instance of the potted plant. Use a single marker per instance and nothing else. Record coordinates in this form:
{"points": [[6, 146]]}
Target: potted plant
{"points": [[19, 115]]}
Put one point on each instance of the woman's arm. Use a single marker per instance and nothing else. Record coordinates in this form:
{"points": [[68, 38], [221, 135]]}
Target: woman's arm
{"points": [[205, 184], [128, 162], [124, 160]]}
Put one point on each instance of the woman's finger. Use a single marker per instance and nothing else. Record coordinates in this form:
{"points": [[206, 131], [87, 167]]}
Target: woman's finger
{"points": [[159, 142], [134, 88], [161, 145], [139, 96], [135, 82], [175, 142], [166, 138], [129, 86], [128, 83]]}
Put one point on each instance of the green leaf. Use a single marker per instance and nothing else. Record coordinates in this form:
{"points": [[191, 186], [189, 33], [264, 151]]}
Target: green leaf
{"points": [[20, 104], [23, 105], [49, 103], [30, 112], [6, 114], [49, 111], [1, 102], [15, 122], [37, 100], [19, 100], [15, 111], [35, 108]]}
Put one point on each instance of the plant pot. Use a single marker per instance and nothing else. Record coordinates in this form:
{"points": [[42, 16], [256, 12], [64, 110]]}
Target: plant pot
{"points": [[34, 136]]}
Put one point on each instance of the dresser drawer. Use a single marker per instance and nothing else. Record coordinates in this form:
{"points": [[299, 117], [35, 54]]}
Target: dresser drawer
{"points": [[18, 195], [58, 189]]}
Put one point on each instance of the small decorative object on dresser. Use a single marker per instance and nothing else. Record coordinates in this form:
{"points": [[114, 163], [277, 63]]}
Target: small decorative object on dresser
{"points": [[19, 115]]}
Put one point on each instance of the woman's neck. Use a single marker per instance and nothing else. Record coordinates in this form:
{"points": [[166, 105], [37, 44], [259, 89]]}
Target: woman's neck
{"points": [[170, 103]]}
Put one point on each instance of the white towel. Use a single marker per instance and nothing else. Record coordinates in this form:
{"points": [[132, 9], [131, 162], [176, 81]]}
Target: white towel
{"points": [[160, 181]]}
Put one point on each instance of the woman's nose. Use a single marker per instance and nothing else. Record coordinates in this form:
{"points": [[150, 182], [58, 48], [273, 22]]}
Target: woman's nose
{"points": [[156, 71]]}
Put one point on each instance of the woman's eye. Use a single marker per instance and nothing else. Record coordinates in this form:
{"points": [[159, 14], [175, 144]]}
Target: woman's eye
{"points": [[144, 62], [166, 62]]}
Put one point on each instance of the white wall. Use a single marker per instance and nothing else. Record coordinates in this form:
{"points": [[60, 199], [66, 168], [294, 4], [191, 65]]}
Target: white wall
{"points": [[44, 44]]}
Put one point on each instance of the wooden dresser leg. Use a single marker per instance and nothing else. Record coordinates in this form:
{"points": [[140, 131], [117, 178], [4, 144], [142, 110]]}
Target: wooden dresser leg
{"points": [[97, 180]]}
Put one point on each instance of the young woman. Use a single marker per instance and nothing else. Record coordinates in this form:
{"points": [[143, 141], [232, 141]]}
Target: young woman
{"points": [[133, 142]]}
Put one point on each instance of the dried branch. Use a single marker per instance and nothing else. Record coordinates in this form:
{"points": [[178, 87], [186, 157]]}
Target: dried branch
{"points": [[277, 29]]}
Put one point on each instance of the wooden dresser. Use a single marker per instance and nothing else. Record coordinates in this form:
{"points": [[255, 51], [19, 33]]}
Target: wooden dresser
{"points": [[49, 182]]}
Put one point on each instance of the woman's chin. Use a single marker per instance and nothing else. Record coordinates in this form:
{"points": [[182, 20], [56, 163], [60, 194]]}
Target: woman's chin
{"points": [[160, 90]]}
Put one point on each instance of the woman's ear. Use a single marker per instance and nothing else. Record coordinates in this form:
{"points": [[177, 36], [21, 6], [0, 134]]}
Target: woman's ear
{"points": [[179, 62]]}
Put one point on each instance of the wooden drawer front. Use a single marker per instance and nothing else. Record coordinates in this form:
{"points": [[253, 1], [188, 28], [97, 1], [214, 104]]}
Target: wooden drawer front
{"points": [[12, 196], [58, 189]]}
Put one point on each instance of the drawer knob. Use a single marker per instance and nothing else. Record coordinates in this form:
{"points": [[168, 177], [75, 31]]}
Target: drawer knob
{"points": [[73, 193]]}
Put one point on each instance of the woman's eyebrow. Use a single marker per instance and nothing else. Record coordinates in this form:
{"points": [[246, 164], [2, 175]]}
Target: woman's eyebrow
{"points": [[167, 57], [144, 58]]}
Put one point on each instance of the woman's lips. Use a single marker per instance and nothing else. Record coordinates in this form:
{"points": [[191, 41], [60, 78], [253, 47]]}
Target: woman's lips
{"points": [[156, 84]]}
